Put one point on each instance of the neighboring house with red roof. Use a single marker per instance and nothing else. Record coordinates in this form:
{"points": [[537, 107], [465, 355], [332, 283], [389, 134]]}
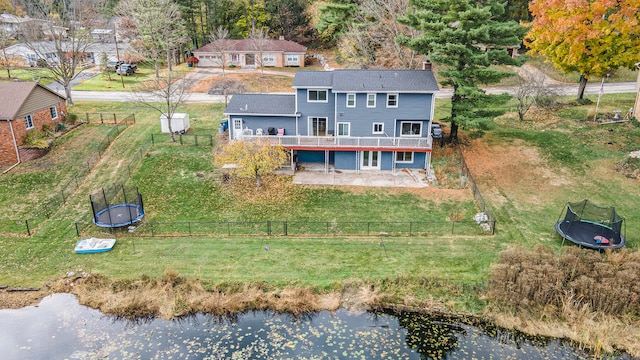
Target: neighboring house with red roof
{"points": [[26, 106], [251, 53]]}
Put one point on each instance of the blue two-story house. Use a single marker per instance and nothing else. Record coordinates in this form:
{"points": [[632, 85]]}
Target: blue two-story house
{"points": [[352, 119]]}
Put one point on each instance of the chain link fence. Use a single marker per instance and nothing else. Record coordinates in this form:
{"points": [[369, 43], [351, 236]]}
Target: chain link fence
{"points": [[59, 198], [109, 118]]}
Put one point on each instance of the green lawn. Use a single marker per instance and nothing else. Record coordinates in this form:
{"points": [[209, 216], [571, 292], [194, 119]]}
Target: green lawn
{"points": [[115, 82], [179, 183], [27, 74]]}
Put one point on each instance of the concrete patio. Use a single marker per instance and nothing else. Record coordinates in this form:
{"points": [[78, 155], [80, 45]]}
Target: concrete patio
{"points": [[314, 174]]}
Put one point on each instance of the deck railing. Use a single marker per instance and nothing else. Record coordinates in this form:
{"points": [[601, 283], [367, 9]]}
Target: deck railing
{"points": [[338, 142]]}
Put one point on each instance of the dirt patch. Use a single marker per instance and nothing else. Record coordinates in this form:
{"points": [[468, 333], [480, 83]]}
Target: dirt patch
{"points": [[512, 168]]}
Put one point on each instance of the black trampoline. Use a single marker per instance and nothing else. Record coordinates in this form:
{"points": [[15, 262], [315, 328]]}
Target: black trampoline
{"points": [[592, 226], [116, 207], [119, 215]]}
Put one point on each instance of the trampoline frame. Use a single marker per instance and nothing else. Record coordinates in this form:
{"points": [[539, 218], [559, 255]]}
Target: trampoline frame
{"points": [[111, 224]]}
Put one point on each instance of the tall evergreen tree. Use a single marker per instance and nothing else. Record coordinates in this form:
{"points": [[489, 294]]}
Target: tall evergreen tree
{"points": [[335, 17], [466, 37]]}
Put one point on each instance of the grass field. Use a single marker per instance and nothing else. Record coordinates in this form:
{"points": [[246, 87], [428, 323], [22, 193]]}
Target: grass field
{"points": [[27, 74], [526, 170]]}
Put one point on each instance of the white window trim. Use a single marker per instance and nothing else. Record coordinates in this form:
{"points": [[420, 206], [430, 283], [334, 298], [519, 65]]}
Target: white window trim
{"points": [[348, 128], [404, 161], [29, 121], [53, 109], [373, 131], [310, 124], [397, 98], [354, 100], [410, 122], [374, 100], [326, 100]]}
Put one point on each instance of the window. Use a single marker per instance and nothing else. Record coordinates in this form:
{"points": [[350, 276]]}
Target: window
{"points": [[28, 122], [343, 129], [371, 100], [411, 128], [234, 57], [292, 59], [378, 128], [392, 100], [317, 126], [54, 112], [351, 100], [269, 59], [404, 157], [317, 95]]}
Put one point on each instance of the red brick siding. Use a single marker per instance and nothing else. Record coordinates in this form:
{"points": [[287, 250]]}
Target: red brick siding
{"points": [[7, 149], [40, 118]]}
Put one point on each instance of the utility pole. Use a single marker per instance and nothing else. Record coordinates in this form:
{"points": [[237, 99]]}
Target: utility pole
{"points": [[115, 39]]}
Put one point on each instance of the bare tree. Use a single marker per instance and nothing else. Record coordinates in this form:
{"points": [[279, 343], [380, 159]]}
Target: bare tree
{"points": [[261, 43], [218, 45], [164, 94], [228, 87], [61, 39], [155, 28], [531, 89], [5, 38], [370, 41]]}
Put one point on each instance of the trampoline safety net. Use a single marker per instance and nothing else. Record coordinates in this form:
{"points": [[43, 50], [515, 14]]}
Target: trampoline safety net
{"points": [[587, 211], [116, 206]]}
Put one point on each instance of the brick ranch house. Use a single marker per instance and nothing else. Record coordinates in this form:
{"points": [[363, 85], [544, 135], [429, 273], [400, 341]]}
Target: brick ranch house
{"points": [[25, 107], [251, 53]]}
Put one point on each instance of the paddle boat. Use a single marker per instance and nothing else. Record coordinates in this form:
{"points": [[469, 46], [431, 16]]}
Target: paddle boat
{"points": [[94, 245]]}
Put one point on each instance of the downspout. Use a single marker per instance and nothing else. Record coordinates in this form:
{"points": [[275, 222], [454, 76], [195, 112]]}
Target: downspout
{"points": [[15, 145]]}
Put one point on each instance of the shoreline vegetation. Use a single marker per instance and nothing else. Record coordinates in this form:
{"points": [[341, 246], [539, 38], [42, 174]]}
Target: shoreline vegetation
{"points": [[534, 291]]}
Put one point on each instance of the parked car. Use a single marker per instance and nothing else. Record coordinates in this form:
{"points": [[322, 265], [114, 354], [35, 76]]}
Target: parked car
{"points": [[436, 131], [125, 69], [122, 63]]}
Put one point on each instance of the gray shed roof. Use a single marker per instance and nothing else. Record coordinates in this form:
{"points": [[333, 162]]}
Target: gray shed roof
{"points": [[261, 104], [368, 80]]}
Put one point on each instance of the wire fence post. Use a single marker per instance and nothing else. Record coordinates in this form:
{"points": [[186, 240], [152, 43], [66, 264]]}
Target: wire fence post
{"points": [[26, 222]]}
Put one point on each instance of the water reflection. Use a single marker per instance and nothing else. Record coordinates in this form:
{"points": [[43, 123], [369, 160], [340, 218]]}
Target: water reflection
{"points": [[59, 328]]}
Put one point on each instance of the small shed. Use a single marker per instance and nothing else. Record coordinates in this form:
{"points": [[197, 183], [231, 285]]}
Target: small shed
{"points": [[179, 123]]}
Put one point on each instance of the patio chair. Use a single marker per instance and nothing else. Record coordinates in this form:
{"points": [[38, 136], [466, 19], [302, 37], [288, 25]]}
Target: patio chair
{"points": [[280, 131]]}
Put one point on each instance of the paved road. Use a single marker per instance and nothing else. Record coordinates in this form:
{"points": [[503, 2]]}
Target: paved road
{"points": [[572, 89], [203, 73]]}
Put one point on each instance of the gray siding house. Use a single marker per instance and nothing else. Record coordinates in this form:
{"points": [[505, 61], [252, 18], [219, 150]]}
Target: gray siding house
{"points": [[353, 119]]}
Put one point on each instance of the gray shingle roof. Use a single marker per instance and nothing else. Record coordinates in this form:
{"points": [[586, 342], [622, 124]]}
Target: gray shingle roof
{"points": [[14, 94], [368, 80], [261, 104]]}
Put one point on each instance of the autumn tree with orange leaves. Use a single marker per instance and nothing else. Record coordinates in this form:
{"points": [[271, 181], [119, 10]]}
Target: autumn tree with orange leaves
{"points": [[591, 37]]}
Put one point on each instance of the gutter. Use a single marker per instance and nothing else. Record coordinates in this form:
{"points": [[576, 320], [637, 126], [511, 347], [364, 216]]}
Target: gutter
{"points": [[15, 145]]}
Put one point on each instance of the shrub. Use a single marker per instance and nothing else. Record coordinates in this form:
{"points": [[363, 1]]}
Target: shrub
{"points": [[47, 130], [61, 127], [72, 118], [40, 144], [31, 137]]}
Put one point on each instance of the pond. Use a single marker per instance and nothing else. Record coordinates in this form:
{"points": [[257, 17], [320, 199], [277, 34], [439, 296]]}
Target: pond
{"points": [[60, 328]]}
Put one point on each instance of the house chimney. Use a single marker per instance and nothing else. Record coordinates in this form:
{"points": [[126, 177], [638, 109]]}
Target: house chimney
{"points": [[426, 65]]}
